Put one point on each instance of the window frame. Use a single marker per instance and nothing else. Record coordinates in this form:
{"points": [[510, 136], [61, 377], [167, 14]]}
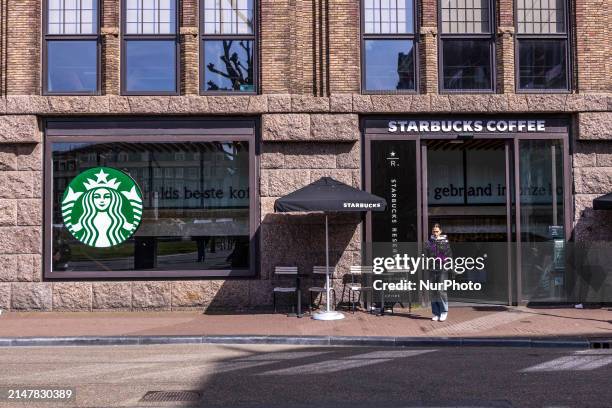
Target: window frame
{"points": [[490, 36], [203, 37], [143, 129], [414, 37], [46, 37], [125, 38], [546, 36]]}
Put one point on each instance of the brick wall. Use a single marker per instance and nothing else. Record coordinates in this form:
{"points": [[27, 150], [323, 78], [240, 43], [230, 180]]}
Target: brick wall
{"points": [[308, 46], [344, 46], [23, 51], [593, 45]]}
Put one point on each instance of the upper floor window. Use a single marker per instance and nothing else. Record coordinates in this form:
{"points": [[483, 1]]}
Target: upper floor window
{"points": [[71, 47], [228, 44], [467, 45], [389, 46], [543, 42], [150, 47]]}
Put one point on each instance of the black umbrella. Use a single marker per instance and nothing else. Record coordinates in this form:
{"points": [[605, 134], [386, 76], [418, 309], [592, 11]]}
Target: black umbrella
{"points": [[329, 195], [603, 203]]}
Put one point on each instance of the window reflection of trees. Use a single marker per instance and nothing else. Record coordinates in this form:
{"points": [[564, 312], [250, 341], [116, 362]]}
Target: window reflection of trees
{"points": [[233, 68]]}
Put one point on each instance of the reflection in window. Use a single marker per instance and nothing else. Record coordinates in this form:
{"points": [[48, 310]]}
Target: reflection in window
{"points": [[467, 64], [542, 219], [228, 46], [465, 16], [72, 66], [228, 16], [542, 45], [542, 64], [228, 65], [390, 45], [72, 17], [389, 65], [388, 16], [71, 62], [467, 43], [150, 47], [150, 17], [541, 16], [195, 223], [150, 66]]}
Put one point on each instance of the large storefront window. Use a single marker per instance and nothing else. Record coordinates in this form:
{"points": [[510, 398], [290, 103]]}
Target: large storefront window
{"points": [[193, 217]]}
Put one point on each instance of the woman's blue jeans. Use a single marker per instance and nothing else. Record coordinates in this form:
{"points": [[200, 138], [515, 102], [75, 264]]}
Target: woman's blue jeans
{"points": [[439, 298]]}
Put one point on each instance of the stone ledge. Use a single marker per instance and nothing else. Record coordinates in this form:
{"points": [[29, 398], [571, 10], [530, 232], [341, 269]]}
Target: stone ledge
{"points": [[595, 126], [287, 103]]}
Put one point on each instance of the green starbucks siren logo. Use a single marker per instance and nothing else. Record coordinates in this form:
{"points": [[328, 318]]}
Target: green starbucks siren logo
{"points": [[102, 207]]}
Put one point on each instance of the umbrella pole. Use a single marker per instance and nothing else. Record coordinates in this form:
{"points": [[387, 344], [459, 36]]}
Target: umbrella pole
{"points": [[328, 314], [327, 263]]}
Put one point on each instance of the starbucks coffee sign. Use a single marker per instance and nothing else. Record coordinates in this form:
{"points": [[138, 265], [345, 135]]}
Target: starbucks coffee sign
{"points": [[102, 207], [467, 126]]}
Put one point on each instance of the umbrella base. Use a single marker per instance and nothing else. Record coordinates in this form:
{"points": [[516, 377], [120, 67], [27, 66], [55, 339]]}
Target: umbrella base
{"points": [[328, 316]]}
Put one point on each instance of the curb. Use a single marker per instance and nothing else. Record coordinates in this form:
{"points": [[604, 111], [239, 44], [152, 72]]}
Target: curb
{"points": [[366, 341]]}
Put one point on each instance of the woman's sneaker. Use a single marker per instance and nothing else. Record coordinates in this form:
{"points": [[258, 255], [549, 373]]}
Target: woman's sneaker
{"points": [[443, 317], [435, 318]]}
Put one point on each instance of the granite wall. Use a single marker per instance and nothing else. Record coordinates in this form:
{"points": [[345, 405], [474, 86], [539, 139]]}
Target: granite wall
{"points": [[302, 138]]}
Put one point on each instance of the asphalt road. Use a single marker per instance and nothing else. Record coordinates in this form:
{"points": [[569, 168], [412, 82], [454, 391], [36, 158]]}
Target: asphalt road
{"points": [[316, 377]]}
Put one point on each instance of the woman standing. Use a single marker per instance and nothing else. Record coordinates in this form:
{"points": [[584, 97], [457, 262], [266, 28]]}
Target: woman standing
{"points": [[438, 247]]}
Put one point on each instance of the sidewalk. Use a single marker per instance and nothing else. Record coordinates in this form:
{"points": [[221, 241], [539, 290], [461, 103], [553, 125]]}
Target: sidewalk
{"points": [[463, 322]]}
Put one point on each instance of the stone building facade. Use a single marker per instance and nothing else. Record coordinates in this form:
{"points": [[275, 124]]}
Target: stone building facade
{"points": [[308, 108]]}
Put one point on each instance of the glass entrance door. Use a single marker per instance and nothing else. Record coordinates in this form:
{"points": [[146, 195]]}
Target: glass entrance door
{"points": [[501, 198], [467, 195]]}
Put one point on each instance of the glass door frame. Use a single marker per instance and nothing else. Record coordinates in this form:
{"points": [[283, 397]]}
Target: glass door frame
{"points": [[512, 176]]}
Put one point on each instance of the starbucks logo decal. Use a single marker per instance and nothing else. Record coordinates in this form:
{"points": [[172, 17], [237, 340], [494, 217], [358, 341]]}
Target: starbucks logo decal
{"points": [[102, 207]]}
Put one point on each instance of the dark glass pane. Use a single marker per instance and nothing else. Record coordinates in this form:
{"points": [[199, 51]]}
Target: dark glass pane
{"points": [[195, 206], [72, 66], [228, 66], [150, 66], [542, 64], [389, 65], [467, 64], [542, 218]]}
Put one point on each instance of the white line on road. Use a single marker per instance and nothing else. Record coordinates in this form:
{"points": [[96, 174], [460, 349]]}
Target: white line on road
{"points": [[578, 362], [346, 363], [216, 367]]}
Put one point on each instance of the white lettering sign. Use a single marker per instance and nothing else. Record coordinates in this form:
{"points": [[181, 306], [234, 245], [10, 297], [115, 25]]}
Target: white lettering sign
{"points": [[467, 126]]}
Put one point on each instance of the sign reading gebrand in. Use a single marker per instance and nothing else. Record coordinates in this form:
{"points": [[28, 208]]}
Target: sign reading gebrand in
{"points": [[467, 126], [102, 207]]}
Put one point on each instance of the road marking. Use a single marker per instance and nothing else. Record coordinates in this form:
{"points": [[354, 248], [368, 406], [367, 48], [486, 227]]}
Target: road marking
{"points": [[346, 363], [576, 362], [216, 367]]}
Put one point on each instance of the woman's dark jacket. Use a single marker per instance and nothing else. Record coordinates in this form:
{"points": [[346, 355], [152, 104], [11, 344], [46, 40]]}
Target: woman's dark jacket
{"points": [[438, 248]]}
